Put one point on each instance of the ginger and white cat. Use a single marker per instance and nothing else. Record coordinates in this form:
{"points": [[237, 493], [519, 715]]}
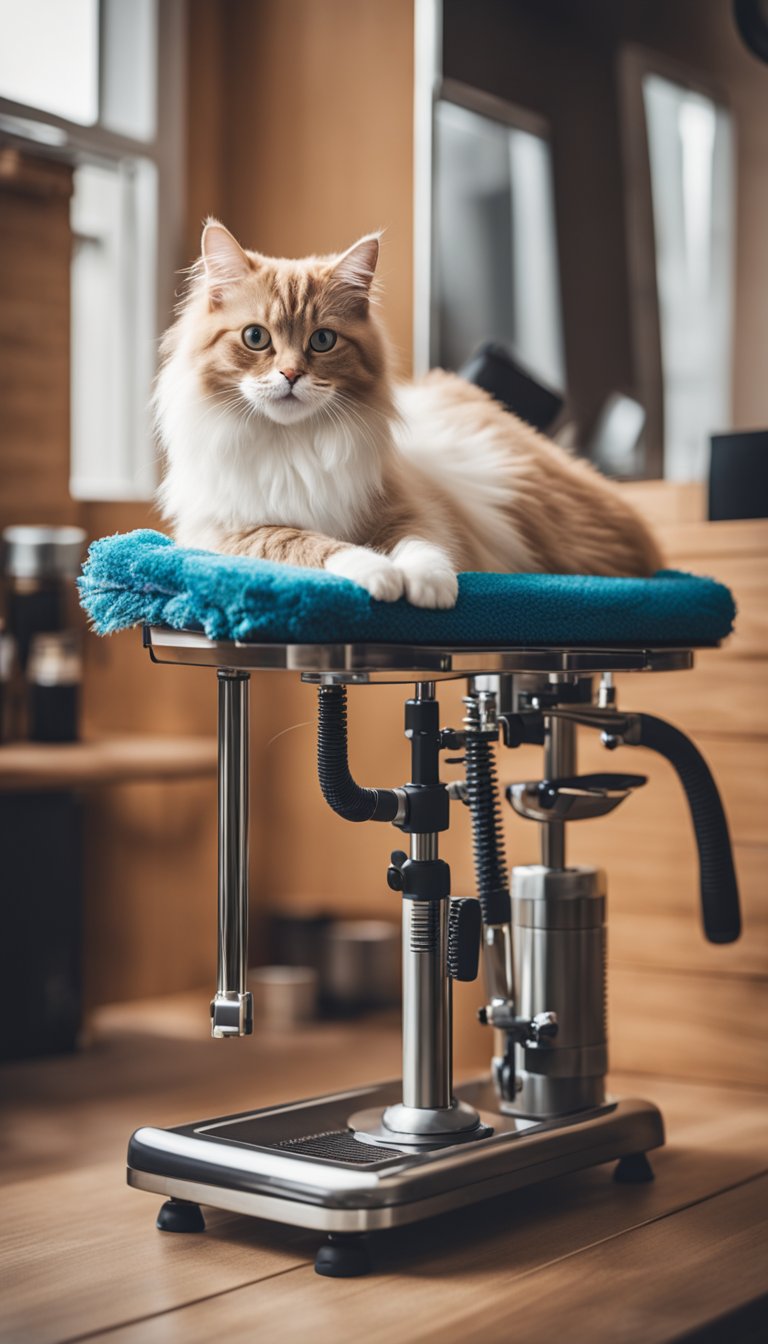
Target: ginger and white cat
{"points": [[286, 438]]}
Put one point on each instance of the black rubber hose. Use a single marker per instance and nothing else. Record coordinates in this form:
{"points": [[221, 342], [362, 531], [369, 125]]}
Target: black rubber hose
{"points": [[485, 808], [339, 788], [719, 889]]}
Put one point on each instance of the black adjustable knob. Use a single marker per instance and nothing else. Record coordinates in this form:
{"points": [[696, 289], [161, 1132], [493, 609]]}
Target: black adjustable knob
{"points": [[395, 878], [464, 923]]}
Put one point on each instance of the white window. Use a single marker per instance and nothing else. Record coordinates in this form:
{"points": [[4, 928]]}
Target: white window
{"points": [[690, 147], [49, 56], [114, 209], [79, 79]]}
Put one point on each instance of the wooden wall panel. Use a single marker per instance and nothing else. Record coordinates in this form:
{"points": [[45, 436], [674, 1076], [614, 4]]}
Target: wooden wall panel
{"points": [[716, 697], [150, 890], [317, 134], [35, 250], [206, 125], [679, 1004], [688, 1025], [658, 924]]}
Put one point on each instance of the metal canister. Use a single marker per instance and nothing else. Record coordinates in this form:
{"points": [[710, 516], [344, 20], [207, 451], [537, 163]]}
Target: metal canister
{"points": [[7, 674], [558, 917], [54, 674], [40, 563]]}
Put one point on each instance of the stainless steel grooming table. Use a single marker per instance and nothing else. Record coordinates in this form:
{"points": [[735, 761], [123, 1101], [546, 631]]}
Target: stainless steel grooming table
{"points": [[326, 1164]]}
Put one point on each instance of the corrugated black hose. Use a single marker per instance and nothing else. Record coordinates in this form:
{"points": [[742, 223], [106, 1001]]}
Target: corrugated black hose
{"points": [[339, 788], [719, 889], [485, 808]]}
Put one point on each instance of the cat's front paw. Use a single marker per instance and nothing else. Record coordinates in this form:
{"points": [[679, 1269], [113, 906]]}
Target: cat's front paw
{"points": [[371, 571], [436, 588]]}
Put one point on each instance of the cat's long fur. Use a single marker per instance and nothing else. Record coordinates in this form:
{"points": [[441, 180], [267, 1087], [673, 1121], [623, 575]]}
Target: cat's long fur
{"points": [[317, 458]]}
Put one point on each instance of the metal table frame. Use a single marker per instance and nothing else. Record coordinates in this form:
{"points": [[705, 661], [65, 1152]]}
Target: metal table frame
{"points": [[191, 1163], [364, 663]]}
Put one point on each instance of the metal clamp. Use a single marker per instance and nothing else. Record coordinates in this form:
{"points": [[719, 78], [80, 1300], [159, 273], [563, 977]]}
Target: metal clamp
{"points": [[527, 1031]]}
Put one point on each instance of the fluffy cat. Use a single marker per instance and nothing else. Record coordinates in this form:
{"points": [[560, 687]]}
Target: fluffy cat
{"points": [[286, 438]]}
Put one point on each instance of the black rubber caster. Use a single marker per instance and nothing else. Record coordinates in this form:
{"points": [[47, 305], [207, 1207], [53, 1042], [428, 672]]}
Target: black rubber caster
{"points": [[177, 1215], [343, 1257], [634, 1169]]}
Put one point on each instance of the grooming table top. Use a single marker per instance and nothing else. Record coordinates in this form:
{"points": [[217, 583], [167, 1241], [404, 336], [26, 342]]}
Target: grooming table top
{"points": [[229, 611], [365, 663]]}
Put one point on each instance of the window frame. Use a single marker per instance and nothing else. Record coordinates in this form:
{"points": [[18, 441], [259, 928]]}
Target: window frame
{"points": [[53, 137]]}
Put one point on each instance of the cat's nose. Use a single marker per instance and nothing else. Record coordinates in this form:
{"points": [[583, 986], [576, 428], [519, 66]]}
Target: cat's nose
{"points": [[291, 374]]}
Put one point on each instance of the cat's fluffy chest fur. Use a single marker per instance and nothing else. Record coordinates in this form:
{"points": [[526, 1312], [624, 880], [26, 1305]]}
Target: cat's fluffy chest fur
{"points": [[226, 474], [285, 438]]}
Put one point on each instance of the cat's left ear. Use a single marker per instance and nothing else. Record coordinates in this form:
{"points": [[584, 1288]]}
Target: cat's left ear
{"points": [[357, 266], [223, 258]]}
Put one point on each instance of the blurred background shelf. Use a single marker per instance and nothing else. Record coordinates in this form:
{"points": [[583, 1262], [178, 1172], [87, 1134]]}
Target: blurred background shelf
{"points": [[109, 760]]}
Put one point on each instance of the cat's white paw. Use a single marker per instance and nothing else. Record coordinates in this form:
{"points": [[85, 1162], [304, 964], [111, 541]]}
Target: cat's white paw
{"points": [[431, 588], [374, 572], [429, 576]]}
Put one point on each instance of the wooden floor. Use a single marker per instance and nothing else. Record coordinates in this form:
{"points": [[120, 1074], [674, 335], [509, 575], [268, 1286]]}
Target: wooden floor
{"points": [[576, 1259]]}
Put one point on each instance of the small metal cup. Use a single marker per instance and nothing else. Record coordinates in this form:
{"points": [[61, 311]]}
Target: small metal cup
{"points": [[283, 996], [362, 963]]}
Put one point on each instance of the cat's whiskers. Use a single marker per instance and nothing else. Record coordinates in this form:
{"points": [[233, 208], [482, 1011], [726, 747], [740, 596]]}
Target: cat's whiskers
{"points": [[350, 401], [350, 407], [350, 411]]}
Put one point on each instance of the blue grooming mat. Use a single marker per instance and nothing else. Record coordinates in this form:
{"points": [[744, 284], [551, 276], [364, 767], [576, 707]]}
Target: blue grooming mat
{"points": [[144, 577]]}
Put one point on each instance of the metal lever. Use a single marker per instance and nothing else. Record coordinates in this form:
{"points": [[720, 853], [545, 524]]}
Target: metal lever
{"points": [[572, 797], [232, 1006]]}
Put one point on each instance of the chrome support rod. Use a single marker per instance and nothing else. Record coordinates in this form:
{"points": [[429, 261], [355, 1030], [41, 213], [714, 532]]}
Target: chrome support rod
{"points": [[232, 1006], [427, 1043], [559, 760], [427, 1064], [428, 1111]]}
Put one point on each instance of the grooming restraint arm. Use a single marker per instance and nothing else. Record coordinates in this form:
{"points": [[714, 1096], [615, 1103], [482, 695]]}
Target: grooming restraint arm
{"points": [[719, 889]]}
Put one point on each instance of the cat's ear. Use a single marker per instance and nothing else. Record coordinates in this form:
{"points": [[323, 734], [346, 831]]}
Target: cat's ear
{"points": [[357, 266], [223, 258]]}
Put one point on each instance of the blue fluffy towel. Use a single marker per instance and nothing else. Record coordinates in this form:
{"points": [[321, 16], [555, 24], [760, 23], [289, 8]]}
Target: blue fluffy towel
{"points": [[143, 577]]}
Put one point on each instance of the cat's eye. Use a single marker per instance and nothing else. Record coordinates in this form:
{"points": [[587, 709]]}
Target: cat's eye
{"points": [[322, 340], [256, 338]]}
